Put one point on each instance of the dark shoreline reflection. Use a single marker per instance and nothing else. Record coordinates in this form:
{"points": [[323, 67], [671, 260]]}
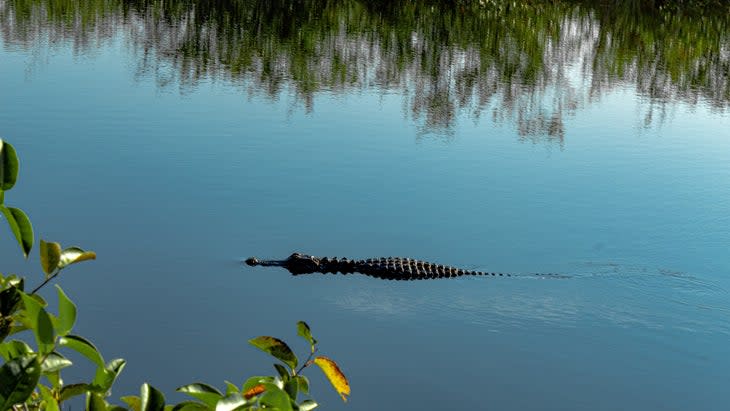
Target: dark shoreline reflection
{"points": [[530, 65]]}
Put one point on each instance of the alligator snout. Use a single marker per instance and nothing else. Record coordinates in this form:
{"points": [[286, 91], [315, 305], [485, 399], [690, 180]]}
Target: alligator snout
{"points": [[252, 261]]}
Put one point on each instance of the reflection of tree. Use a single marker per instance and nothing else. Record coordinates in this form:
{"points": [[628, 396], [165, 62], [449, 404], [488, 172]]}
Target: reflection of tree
{"points": [[679, 58], [530, 64]]}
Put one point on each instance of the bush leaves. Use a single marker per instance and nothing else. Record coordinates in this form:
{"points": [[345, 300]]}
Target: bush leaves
{"points": [[190, 406], [303, 384], [73, 390], [8, 166], [20, 226], [50, 256], [230, 402], [83, 347], [276, 348], [66, 313], [304, 332], [105, 376], [73, 255], [22, 368], [13, 349], [54, 362], [95, 402], [50, 402], [38, 319], [307, 405], [204, 392], [150, 399], [18, 378], [275, 398]]}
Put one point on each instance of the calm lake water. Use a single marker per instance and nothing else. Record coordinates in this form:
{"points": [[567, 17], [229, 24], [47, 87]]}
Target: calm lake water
{"points": [[176, 140]]}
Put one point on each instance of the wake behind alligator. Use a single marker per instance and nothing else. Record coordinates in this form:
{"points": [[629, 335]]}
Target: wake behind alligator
{"points": [[386, 268]]}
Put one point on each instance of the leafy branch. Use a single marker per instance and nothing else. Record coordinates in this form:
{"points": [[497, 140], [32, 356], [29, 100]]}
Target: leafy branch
{"points": [[21, 388]]}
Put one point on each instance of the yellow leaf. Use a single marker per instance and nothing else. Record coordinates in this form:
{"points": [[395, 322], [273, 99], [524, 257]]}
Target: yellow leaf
{"points": [[336, 377]]}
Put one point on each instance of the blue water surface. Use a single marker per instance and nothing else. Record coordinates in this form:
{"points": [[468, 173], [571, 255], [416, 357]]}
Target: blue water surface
{"points": [[174, 187]]}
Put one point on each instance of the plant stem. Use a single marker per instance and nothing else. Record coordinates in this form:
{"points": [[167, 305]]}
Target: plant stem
{"points": [[307, 362], [45, 282]]}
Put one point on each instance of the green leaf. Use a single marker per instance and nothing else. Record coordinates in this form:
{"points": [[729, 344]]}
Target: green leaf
{"points": [[55, 379], [204, 392], [275, 397], [83, 347], [40, 300], [15, 281], [18, 378], [50, 256], [66, 313], [6, 325], [38, 319], [292, 388], [283, 372], [14, 349], [303, 384], [16, 328], [2, 197], [54, 322], [105, 376], [73, 390], [335, 375], [230, 402], [133, 401], [9, 165], [256, 385], [150, 399], [9, 301], [190, 406], [276, 348], [304, 332], [50, 402], [231, 388], [20, 226], [54, 362], [116, 408], [307, 405], [73, 255], [95, 402]]}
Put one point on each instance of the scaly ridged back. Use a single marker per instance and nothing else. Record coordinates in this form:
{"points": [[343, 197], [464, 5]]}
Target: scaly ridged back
{"points": [[395, 268]]}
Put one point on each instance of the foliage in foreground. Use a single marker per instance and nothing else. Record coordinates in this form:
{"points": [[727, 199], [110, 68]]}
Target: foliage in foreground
{"points": [[30, 377]]}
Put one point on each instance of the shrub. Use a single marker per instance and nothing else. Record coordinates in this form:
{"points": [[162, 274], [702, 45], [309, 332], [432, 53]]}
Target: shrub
{"points": [[21, 312]]}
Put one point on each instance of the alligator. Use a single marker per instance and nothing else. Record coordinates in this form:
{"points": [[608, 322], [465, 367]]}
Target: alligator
{"points": [[386, 268]]}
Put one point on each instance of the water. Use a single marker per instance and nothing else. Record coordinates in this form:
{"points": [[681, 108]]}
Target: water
{"points": [[618, 179]]}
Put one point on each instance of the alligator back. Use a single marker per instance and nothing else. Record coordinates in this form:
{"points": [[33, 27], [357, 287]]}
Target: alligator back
{"points": [[387, 268], [397, 268]]}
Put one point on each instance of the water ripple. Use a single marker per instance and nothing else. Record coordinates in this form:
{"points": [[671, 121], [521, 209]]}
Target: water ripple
{"points": [[617, 295]]}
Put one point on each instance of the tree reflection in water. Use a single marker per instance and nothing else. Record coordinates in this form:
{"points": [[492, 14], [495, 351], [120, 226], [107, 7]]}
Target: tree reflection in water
{"points": [[530, 65]]}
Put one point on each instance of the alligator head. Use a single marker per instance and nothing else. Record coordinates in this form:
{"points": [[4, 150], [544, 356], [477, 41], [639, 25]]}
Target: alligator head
{"points": [[296, 263]]}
